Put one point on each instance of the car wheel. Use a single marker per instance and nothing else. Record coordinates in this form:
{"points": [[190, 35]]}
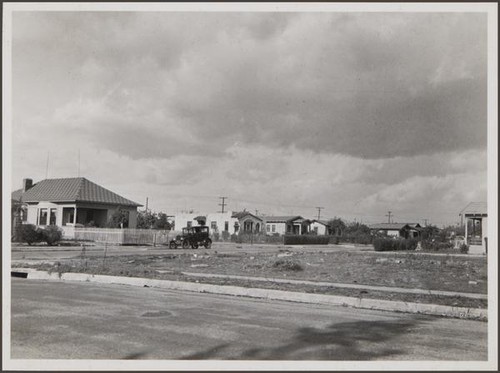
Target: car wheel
{"points": [[208, 243], [173, 245], [194, 245], [185, 245]]}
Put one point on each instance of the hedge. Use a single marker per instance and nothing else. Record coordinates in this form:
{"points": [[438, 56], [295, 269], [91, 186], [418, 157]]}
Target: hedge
{"points": [[305, 240], [394, 244]]}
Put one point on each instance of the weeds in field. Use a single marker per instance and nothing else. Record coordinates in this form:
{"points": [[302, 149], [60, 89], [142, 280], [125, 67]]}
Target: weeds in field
{"points": [[287, 265]]}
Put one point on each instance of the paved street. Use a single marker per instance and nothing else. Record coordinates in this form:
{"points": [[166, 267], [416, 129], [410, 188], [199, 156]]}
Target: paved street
{"points": [[61, 320]]}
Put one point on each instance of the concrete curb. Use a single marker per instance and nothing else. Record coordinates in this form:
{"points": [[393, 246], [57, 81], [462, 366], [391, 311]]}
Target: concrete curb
{"points": [[374, 304], [340, 285]]}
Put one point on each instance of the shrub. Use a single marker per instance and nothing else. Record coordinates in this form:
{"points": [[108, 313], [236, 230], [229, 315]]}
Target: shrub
{"points": [[225, 235], [394, 244], [287, 265], [464, 248], [305, 240], [29, 233], [51, 234], [433, 245], [216, 236]]}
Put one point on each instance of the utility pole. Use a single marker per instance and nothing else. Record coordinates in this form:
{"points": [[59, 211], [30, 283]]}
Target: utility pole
{"points": [[146, 204], [256, 212], [223, 204], [389, 216], [425, 222], [319, 211]]}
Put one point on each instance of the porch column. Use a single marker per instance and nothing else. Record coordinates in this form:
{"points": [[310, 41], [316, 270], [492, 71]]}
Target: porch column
{"points": [[74, 217], [300, 229]]}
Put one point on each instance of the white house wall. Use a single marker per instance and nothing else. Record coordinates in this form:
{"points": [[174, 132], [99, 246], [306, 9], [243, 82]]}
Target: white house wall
{"points": [[321, 228], [181, 221], [279, 228]]}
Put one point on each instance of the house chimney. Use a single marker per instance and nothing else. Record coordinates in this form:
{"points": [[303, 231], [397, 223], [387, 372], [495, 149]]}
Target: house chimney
{"points": [[27, 183]]}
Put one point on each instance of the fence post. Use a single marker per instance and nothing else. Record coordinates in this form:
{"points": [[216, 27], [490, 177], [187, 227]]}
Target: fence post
{"points": [[154, 239]]}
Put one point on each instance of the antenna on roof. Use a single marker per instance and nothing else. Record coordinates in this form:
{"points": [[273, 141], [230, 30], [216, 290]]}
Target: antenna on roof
{"points": [[47, 166]]}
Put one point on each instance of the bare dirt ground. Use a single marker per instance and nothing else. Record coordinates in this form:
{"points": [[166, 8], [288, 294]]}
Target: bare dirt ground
{"points": [[404, 270]]}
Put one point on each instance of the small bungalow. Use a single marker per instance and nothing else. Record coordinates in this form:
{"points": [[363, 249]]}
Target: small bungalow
{"points": [[69, 202], [476, 227], [321, 227], [286, 225], [400, 230]]}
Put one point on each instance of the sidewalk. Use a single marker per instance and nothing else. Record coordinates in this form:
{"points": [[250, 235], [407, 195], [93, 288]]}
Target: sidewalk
{"points": [[375, 304]]}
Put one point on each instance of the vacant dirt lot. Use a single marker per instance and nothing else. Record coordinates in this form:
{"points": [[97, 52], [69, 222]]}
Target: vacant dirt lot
{"points": [[406, 270]]}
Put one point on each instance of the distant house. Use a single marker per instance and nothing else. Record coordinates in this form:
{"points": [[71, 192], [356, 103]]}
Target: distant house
{"points": [[68, 202], [401, 230], [476, 227], [286, 225], [321, 227], [230, 221]]}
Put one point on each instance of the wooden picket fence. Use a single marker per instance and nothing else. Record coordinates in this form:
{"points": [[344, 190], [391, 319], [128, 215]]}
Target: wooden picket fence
{"points": [[125, 236]]}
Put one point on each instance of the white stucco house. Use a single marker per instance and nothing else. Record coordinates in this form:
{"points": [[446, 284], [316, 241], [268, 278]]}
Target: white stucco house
{"points": [[476, 227], [70, 202], [230, 221]]}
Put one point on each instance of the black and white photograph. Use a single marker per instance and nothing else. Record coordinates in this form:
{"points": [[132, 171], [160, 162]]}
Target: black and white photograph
{"points": [[250, 186]]}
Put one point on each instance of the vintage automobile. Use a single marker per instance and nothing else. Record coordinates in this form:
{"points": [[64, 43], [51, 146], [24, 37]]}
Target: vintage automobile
{"points": [[192, 237]]}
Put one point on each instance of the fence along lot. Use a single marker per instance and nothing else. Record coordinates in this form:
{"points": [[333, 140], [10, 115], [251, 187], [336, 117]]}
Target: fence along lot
{"points": [[125, 236]]}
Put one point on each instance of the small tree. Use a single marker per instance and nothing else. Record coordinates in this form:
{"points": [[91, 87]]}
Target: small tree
{"points": [[119, 219], [337, 226], [162, 222]]}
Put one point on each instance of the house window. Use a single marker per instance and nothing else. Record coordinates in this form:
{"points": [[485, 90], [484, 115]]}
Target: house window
{"points": [[42, 216], [53, 216], [189, 224], [268, 227], [273, 228], [213, 225], [226, 225]]}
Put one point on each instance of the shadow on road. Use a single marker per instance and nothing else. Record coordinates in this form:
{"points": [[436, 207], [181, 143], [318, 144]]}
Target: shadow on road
{"points": [[362, 340]]}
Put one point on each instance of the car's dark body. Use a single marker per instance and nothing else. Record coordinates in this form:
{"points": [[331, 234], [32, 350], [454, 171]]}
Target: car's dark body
{"points": [[192, 237]]}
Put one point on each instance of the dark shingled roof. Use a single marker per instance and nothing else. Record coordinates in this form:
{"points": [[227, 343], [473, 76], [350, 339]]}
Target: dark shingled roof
{"points": [[242, 214], [76, 189]]}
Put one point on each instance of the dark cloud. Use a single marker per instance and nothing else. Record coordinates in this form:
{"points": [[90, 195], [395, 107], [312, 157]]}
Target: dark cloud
{"points": [[364, 84]]}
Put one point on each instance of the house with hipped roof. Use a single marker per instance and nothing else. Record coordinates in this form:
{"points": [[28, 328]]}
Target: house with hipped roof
{"points": [[71, 202]]}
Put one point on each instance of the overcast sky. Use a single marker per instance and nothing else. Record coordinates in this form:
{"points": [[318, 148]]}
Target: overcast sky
{"points": [[359, 113]]}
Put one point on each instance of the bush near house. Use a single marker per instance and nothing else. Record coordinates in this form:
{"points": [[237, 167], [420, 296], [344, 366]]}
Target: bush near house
{"points": [[436, 245], [51, 234], [29, 233], [394, 244]]}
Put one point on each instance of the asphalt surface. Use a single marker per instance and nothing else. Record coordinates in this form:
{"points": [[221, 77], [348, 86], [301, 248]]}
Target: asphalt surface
{"points": [[63, 320]]}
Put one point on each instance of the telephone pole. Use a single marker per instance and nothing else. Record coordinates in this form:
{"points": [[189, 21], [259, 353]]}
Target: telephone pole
{"points": [[319, 211], [389, 213], [223, 204], [425, 222]]}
